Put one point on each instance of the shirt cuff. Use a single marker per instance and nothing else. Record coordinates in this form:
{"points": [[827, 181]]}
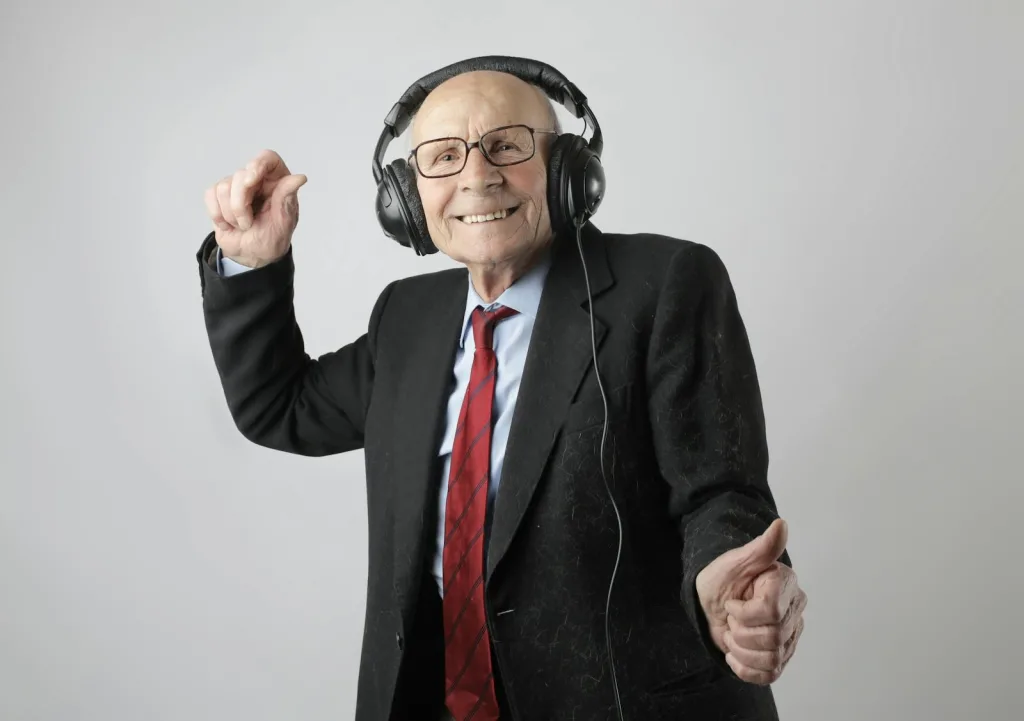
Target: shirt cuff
{"points": [[228, 267]]}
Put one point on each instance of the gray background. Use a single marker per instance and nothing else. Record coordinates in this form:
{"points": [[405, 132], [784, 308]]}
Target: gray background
{"points": [[858, 166]]}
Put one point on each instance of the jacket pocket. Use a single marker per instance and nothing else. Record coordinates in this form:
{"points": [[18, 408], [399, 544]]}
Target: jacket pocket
{"points": [[688, 683]]}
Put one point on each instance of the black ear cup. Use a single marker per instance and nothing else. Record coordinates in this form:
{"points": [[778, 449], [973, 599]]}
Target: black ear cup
{"points": [[588, 183], [389, 214], [400, 211], [557, 185], [405, 177], [575, 182]]}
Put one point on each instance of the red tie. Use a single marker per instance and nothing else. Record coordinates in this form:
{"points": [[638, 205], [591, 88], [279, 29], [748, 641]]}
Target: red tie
{"points": [[469, 692]]}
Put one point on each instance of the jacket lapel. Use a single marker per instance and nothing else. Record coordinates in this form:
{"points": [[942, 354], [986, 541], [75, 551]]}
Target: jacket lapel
{"points": [[418, 425], [560, 353]]}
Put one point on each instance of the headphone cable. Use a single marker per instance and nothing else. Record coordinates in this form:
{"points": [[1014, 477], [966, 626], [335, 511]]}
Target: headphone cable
{"points": [[604, 436]]}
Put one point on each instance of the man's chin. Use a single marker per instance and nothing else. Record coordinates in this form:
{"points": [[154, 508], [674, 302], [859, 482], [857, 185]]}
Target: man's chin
{"points": [[485, 247]]}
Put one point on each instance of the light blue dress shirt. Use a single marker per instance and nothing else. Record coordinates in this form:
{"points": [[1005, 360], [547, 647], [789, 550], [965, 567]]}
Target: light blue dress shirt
{"points": [[229, 267], [511, 342]]}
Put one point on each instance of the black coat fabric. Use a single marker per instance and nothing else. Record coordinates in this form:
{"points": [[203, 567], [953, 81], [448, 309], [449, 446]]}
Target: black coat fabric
{"points": [[685, 457]]}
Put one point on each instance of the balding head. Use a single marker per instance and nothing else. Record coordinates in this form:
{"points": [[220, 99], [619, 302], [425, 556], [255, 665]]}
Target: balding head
{"points": [[460, 209], [501, 89]]}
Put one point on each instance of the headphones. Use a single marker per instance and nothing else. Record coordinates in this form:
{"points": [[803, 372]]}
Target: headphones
{"points": [[576, 182]]}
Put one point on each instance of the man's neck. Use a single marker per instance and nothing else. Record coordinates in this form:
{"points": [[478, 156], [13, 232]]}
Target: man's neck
{"points": [[490, 282]]}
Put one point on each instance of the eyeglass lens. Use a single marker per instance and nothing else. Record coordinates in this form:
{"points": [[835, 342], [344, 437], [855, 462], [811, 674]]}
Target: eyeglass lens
{"points": [[447, 156]]}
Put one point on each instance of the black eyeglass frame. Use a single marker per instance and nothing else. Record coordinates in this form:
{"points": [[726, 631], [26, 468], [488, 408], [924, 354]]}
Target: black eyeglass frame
{"points": [[477, 144]]}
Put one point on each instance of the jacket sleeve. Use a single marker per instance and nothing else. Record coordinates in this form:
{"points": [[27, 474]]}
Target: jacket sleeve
{"points": [[278, 396], [707, 419]]}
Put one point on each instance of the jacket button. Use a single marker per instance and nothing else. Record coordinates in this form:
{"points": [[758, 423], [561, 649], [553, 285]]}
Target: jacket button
{"points": [[399, 642]]}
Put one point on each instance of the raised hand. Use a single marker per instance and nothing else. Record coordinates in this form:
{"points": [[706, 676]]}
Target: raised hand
{"points": [[754, 606], [255, 210]]}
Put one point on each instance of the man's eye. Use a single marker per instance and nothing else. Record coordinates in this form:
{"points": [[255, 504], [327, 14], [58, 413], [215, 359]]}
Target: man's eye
{"points": [[447, 156]]}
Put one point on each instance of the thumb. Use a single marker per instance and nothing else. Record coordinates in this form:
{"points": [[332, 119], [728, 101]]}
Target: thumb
{"points": [[285, 193], [759, 555]]}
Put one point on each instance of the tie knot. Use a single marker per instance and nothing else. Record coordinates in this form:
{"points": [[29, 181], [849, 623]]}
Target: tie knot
{"points": [[484, 322]]}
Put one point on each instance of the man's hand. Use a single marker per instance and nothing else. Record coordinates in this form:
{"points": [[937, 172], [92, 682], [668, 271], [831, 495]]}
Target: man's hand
{"points": [[754, 606], [255, 211]]}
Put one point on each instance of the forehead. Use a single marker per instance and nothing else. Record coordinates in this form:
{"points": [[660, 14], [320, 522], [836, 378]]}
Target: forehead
{"points": [[470, 104]]}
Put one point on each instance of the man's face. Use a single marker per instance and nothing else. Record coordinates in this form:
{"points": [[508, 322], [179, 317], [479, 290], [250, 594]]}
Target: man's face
{"points": [[467, 107]]}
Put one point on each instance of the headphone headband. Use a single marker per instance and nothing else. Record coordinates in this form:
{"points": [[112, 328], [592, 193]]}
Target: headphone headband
{"points": [[555, 85]]}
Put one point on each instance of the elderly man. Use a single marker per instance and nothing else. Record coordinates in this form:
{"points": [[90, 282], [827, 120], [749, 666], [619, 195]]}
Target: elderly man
{"points": [[549, 537]]}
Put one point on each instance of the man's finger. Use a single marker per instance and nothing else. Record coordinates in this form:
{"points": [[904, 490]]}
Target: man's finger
{"points": [[790, 646], [268, 165], [776, 590], [757, 638], [760, 611], [223, 192], [750, 675], [213, 209], [770, 635], [243, 187], [795, 613], [769, 660]]}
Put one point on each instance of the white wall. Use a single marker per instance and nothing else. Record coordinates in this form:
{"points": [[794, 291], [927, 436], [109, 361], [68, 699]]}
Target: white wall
{"points": [[859, 167]]}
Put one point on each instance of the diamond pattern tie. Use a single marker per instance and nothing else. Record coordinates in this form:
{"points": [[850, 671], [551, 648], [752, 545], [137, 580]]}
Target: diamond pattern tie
{"points": [[469, 679]]}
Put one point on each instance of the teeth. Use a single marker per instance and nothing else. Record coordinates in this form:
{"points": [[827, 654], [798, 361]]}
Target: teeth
{"points": [[484, 218]]}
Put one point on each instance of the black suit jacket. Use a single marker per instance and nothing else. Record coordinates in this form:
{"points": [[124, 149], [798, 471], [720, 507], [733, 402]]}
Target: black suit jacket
{"points": [[686, 459]]}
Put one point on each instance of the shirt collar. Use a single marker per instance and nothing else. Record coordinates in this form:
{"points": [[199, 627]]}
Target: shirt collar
{"points": [[523, 295]]}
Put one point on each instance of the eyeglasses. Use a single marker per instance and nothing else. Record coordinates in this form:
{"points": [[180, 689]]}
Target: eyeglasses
{"points": [[508, 145]]}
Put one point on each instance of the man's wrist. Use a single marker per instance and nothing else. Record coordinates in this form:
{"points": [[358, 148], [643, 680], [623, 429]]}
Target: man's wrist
{"points": [[250, 263]]}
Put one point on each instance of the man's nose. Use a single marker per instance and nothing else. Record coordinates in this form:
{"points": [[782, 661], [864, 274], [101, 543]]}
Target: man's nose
{"points": [[478, 173]]}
